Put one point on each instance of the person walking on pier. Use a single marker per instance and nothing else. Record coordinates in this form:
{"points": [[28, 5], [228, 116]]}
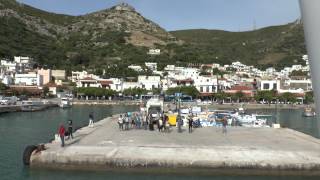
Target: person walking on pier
{"points": [[91, 119], [179, 123], [62, 131], [160, 124], [145, 122], [126, 122], [190, 122], [224, 126], [120, 122], [70, 129]]}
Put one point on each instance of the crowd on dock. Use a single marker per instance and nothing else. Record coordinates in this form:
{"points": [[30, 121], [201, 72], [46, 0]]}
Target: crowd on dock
{"points": [[139, 120], [135, 121]]}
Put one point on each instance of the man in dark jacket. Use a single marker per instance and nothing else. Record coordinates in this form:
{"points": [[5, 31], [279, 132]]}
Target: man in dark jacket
{"points": [[190, 122], [70, 129]]}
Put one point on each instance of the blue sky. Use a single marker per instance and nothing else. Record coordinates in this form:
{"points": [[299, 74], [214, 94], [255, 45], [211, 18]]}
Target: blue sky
{"points": [[232, 15]]}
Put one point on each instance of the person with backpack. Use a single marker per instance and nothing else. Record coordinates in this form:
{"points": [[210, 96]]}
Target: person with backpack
{"points": [[70, 129]]}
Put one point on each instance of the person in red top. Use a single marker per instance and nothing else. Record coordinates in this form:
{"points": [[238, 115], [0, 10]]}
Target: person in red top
{"points": [[62, 131]]}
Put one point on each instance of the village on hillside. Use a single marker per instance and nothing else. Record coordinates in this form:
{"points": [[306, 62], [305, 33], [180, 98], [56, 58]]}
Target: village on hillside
{"points": [[207, 82]]}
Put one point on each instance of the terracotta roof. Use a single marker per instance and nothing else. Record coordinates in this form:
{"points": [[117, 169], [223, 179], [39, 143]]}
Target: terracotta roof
{"points": [[50, 84], [184, 80], [207, 65], [241, 88], [105, 82], [87, 79], [30, 89], [205, 94]]}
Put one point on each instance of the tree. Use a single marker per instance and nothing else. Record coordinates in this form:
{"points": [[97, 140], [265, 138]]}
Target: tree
{"points": [[3, 87], [134, 91], [45, 90], [221, 96], [298, 73], [94, 91], [308, 97], [288, 97], [238, 96], [216, 71], [266, 96], [186, 90]]}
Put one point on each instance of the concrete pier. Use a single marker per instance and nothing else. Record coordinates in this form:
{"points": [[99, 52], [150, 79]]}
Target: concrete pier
{"points": [[253, 149]]}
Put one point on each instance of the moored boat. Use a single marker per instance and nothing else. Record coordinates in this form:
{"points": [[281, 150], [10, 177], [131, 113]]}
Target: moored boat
{"points": [[65, 103], [30, 106], [308, 112]]}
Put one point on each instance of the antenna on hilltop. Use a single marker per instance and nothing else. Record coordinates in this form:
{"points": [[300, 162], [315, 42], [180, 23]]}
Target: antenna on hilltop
{"points": [[121, 2], [254, 25]]}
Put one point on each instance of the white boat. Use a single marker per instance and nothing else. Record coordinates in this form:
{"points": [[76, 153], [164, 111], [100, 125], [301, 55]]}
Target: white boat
{"points": [[241, 110], [30, 106], [65, 103], [256, 123], [252, 120], [308, 112]]}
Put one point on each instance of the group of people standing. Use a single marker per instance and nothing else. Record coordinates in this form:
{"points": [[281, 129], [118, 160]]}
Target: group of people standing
{"points": [[142, 121], [131, 120]]}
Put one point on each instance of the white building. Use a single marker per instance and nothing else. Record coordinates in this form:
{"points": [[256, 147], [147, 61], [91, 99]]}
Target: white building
{"points": [[8, 66], [207, 85], [170, 68], [28, 79], [149, 82], [23, 64], [135, 68], [128, 85], [240, 67], [154, 51], [6, 79], [268, 85], [271, 71], [116, 84], [151, 66], [78, 75], [296, 67]]}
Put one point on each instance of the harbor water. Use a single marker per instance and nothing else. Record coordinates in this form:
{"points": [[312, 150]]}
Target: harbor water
{"points": [[17, 130]]}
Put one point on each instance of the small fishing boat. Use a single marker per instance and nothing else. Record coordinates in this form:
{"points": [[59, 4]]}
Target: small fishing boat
{"points": [[65, 103], [241, 110], [31, 106], [308, 112]]}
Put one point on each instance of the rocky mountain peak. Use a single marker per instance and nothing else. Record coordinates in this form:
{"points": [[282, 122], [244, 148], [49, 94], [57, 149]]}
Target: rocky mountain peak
{"points": [[124, 7]]}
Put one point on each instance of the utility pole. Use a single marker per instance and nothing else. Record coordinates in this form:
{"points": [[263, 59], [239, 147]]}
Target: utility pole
{"points": [[311, 22]]}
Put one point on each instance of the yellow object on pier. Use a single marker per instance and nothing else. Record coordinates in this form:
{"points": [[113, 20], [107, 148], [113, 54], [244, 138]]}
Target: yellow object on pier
{"points": [[172, 119]]}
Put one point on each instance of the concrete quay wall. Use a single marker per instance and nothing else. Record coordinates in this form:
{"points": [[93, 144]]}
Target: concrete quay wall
{"points": [[105, 147]]}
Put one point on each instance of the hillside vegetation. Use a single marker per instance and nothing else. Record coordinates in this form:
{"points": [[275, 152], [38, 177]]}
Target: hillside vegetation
{"points": [[272, 46], [113, 38]]}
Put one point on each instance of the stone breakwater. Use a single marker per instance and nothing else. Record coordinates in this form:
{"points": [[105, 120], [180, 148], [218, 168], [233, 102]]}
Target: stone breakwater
{"points": [[206, 149]]}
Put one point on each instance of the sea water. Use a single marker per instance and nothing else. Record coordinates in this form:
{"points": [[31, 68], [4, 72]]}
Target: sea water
{"points": [[17, 130]]}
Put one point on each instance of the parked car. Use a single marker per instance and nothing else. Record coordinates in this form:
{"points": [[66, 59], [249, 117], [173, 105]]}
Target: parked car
{"points": [[9, 100]]}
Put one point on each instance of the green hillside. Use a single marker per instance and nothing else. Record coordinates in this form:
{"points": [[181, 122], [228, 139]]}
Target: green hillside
{"points": [[272, 46], [111, 39]]}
